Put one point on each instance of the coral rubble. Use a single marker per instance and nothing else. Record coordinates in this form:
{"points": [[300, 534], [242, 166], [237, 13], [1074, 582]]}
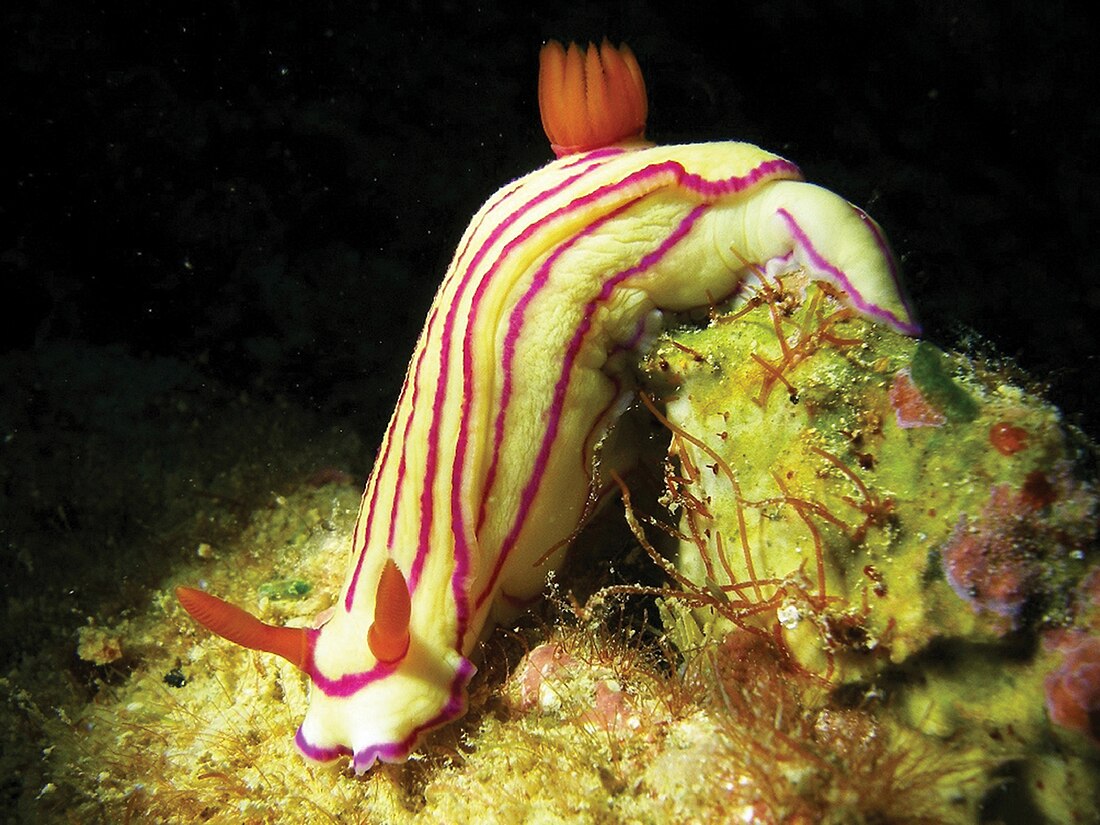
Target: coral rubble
{"points": [[866, 591], [901, 524]]}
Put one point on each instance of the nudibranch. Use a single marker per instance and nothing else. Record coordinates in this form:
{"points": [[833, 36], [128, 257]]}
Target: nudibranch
{"points": [[487, 468]]}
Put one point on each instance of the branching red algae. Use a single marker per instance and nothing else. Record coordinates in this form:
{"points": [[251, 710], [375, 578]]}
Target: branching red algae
{"points": [[843, 513]]}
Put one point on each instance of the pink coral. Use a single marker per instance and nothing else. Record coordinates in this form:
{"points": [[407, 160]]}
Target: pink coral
{"points": [[537, 673], [910, 407], [988, 563], [551, 680], [1073, 689], [1021, 548], [611, 709]]}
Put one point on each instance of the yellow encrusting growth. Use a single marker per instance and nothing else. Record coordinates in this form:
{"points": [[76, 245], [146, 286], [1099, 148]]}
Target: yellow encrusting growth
{"points": [[590, 99], [883, 558], [592, 725]]}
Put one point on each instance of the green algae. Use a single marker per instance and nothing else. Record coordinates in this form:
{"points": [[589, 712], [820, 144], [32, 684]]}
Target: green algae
{"points": [[284, 589], [928, 366]]}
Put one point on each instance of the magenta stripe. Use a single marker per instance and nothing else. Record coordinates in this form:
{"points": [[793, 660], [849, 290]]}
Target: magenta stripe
{"points": [[395, 751], [768, 170], [365, 508], [376, 474], [635, 340], [821, 263], [595, 154], [427, 496], [515, 327], [647, 179], [412, 376], [883, 245], [351, 683], [641, 182], [402, 463], [318, 754], [530, 490], [421, 351]]}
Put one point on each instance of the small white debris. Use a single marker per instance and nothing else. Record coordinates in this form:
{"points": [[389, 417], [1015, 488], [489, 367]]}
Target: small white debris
{"points": [[788, 616]]}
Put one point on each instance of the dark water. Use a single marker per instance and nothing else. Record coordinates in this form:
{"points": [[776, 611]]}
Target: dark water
{"points": [[273, 195]]}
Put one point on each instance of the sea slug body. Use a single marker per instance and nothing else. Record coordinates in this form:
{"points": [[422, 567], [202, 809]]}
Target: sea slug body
{"points": [[486, 468]]}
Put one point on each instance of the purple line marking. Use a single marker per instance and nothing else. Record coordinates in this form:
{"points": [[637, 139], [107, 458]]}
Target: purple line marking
{"points": [[595, 154], [821, 263], [515, 327], [635, 338], [364, 760], [395, 751], [412, 376], [645, 181], [373, 485], [427, 498], [352, 683], [366, 507], [590, 161], [318, 754], [530, 490], [888, 254]]}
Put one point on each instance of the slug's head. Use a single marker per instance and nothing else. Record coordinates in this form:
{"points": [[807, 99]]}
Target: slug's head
{"points": [[590, 98], [387, 638], [377, 683]]}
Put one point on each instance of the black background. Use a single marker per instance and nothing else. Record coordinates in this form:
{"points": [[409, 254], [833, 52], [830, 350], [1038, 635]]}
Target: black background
{"points": [[271, 195]]}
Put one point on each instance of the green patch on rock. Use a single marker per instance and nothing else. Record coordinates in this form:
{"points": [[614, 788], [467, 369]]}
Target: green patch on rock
{"points": [[284, 589], [929, 370]]}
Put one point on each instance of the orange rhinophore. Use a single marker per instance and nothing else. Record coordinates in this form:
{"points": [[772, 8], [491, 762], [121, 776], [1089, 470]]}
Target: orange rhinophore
{"points": [[241, 627], [590, 99], [388, 636]]}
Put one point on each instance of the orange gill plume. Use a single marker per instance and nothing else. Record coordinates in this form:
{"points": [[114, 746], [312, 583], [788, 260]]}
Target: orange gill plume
{"points": [[592, 98], [388, 636], [241, 627]]}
